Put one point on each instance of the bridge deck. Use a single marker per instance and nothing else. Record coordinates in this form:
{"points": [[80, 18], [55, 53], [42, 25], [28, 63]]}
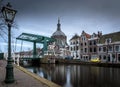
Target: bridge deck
{"points": [[29, 58]]}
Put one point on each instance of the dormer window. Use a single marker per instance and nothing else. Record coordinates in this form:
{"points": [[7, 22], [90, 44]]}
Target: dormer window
{"points": [[108, 40], [93, 35]]}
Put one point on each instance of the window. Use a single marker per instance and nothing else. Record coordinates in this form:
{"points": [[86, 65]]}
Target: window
{"points": [[81, 50], [100, 49], [94, 42], [117, 48], [85, 50], [81, 56], [71, 48], [100, 57], [81, 44], [108, 40], [104, 49], [119, 57], [73, 42], [82, 38], [109, 48], [113, 56], [85, 44], [76, 47], [95, 49], [90, 49], [76, 42], [104, 57], [90, 42]]}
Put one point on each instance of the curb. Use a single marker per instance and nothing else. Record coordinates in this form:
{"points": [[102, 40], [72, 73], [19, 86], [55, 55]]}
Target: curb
{"points": [[44, 81]]}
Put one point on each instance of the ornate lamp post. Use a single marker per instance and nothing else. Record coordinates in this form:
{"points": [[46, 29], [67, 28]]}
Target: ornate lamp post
{"points": [[9, 14]]}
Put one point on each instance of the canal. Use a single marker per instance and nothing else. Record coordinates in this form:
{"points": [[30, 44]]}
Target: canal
{"points": [[78, 75]]}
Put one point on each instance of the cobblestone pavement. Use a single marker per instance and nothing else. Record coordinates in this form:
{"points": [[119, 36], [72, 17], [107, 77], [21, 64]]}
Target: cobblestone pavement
{"points": [[21, 79]]}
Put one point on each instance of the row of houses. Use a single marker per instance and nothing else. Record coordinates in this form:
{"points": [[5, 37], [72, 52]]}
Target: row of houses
{"points": [[83, 47], [105, 47]]}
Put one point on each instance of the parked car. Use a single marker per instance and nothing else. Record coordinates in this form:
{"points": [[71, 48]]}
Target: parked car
{"points": [[95, 60], [69, 57]]}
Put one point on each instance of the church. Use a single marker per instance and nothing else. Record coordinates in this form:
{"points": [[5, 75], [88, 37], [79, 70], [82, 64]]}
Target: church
{"points": [[61, 38], [61, 46]]}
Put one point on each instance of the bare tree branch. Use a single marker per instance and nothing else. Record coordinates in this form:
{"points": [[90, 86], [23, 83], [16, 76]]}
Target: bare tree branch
{"points": [[3, 26]]}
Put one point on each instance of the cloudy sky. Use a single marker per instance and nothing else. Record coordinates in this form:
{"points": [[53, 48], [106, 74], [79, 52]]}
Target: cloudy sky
{"points": [[41, 16]]}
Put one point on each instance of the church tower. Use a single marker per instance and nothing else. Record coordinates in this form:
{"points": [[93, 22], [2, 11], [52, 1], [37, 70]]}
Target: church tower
{"points": [[61, 38]]}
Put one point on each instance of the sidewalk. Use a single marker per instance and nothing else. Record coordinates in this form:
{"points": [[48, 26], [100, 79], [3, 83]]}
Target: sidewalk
{"points": [[23, 78]]}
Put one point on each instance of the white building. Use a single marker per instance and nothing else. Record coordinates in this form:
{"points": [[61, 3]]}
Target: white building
{"points": [[74, 46]]}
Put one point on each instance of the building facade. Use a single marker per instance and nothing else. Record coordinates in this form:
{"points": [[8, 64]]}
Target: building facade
{"points": [[92, 45], [109, 47], [75, 47], [84, 50], [105, 47]]}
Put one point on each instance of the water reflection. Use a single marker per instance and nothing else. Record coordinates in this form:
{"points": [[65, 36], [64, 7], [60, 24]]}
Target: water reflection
{"points": [[79, 76]]}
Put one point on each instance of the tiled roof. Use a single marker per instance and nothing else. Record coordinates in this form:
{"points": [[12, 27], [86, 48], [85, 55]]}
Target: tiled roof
{"points": [[87, 35], [114, 37]]}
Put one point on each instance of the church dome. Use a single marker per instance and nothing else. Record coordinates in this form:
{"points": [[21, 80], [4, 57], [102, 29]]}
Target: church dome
{"points": [[61, 38], [58, 32]]}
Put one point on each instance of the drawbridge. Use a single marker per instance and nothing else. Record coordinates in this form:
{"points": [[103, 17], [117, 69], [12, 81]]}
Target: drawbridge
{"points": [[36, 39]]}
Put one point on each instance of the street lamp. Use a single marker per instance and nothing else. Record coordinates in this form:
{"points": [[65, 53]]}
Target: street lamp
{"points": [[9, 14]]}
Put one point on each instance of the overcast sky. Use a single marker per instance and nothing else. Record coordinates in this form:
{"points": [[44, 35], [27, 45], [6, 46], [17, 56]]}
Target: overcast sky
{"points": [[41, 16]]}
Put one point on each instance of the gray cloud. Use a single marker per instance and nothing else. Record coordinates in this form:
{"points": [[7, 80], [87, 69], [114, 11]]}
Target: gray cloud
{"points": [[71, 7], [74, 13]]}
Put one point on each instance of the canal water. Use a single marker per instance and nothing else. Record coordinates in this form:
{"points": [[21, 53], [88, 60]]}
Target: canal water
{"points": [[78, 75]]}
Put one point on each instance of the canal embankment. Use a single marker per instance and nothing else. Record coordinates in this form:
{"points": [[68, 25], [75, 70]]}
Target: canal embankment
{"points": [[100, 64], [23, 78], [37, 62]]}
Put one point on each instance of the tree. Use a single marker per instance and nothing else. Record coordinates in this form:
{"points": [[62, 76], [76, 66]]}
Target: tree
{"points": [[3, 31], [4, 28]]}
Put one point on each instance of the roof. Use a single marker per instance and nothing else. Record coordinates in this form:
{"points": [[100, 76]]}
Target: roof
{"points": [[86, 34], [58, 33], [114, 37], [75, 37], [34, 38]]}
